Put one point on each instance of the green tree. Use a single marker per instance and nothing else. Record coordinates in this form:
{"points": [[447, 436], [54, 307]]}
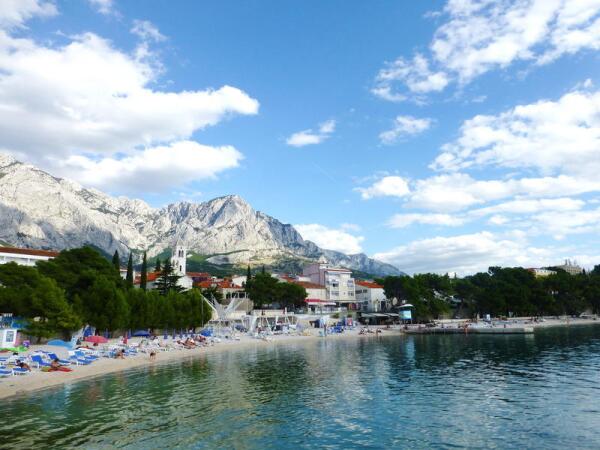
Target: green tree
{"points": [[144, 273], [262, 289], [248, 274], [290, 295], [129, 277], [157, 266], [27, 293], [168, 280], [116, 261], [213, 292]]}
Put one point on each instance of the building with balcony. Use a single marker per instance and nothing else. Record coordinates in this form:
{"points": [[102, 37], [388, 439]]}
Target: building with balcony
{"points": [[338, 282]]}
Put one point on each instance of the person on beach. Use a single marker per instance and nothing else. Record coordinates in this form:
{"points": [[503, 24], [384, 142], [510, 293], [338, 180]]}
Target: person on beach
{"points": [[120, 354], [56, 366], [22, 365], [152, 355]]}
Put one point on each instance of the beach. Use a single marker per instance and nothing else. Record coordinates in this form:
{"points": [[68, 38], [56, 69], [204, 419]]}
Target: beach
{"points": [[37, 380]]}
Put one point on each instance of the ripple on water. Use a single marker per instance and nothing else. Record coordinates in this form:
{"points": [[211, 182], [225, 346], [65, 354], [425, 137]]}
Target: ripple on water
{"points": [[405, 392]]}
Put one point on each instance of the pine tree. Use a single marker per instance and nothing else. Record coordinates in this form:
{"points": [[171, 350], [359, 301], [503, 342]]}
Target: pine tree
{"points": [[116, 261], [129, 277], [168, 280], [157, 267], [248, 274], [263, 270], [144, 274]]}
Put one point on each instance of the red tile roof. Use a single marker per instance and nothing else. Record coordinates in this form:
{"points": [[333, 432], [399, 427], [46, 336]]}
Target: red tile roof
{"points": [[151, 277], [198, 274], [29, 251], [369, 284]]}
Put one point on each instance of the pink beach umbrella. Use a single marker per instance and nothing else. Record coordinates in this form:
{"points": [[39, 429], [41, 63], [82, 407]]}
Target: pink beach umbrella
{"points": [[96, 339]]}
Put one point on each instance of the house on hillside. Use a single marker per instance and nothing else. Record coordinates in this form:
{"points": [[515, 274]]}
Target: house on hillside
{"points": [[25, 256]]}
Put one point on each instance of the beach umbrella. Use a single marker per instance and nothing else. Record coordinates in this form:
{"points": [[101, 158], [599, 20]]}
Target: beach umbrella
{"points": [[96, 339], [141, 333]]}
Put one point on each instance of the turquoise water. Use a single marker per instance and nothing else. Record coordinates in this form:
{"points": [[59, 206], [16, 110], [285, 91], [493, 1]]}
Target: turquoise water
{"points": [[539, 391]]}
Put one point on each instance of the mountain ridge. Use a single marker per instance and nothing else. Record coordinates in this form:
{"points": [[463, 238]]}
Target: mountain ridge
{"points": [[43, 211]]}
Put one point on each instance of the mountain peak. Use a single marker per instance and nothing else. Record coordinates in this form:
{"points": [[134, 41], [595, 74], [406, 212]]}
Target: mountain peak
{"points": [[38, 210]]}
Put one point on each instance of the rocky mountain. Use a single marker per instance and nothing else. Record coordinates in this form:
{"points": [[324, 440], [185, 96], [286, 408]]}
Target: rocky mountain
{"points": [[41, 211]]}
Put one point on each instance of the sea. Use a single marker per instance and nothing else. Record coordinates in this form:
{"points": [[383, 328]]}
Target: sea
{"points": [[376, 392]]}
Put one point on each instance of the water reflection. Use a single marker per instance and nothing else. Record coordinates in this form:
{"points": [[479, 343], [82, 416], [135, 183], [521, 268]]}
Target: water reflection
{"points": [[380, 392]]}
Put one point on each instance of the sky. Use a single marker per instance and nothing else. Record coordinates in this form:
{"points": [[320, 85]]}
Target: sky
{"points": [[438, 136]]}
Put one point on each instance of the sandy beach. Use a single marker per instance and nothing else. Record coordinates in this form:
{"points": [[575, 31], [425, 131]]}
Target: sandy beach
{"points": [[37, 380]]}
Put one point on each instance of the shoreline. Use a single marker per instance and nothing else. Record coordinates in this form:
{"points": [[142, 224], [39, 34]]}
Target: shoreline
{"points": [[22, 385]]}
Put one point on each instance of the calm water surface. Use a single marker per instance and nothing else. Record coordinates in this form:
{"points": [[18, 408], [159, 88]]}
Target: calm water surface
{"points": [[540, 391]]}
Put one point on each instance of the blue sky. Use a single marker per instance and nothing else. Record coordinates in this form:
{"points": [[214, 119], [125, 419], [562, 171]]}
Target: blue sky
{"points": [[439, 136]]}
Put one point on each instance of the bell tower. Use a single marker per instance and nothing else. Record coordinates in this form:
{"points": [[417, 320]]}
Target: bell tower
{"points": [[179, 258]]}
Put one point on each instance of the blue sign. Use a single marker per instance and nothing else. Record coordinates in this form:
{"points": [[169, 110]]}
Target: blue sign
{"points": [[406, 314]]}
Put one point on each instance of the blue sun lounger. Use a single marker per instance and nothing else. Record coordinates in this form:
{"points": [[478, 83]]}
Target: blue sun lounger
{"points": [[19, 371], [53, 356], [5, 373], [37, 359]]}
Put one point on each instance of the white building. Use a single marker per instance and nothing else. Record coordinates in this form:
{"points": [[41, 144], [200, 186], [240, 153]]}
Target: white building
{"points": [[370, 296], [570, 267], [542, 272], [25, 256], [179, 263], [338, 282]]}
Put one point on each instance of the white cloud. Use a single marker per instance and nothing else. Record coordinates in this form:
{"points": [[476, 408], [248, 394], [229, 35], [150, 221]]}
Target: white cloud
{"points": [[404, 126], [14, 13], [466, 254], [405, 220], [415, 75], [153, 169], [103, 6], [350, 227], [330, 238], [310, 137], [482, 35], [147, 31], [88, 100], [459, 191], [392, 186], [548, 136], [530, 206]]}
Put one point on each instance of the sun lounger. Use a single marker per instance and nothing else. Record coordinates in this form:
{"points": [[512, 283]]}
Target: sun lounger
{"points": [[19, 371], [53, 356], [39, 362], [5, 373]]}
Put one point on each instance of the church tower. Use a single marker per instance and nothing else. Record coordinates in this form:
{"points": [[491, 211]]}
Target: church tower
{"points": [[179, 259]]}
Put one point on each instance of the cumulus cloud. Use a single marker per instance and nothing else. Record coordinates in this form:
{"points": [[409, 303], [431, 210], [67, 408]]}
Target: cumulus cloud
{"points": [[147, 31], [404, 126], [415, 76], [405, 220], [548, 136], [389, 186], [14, 13], [466, 254], [477, 36], [310, 136], [88, 101], [330, 238], [102, 6], [153, 169]]}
